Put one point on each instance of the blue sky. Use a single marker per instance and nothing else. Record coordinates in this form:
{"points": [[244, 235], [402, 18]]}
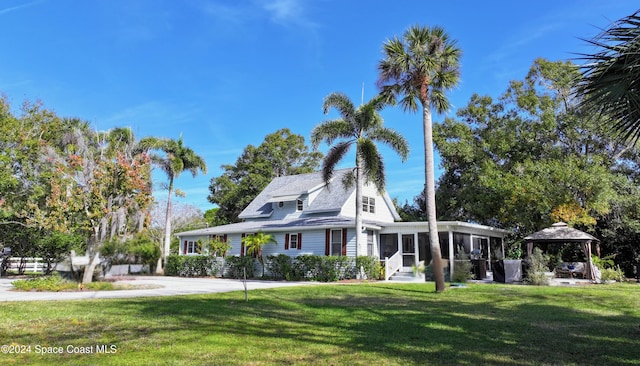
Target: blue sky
{"points": [[226, 73]]}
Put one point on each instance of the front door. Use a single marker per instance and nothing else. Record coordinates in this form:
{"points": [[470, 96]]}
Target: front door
{"points": [[408, 251]]}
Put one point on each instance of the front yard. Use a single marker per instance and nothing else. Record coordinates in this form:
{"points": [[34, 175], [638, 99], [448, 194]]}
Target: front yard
{"points": [[377, 323]]}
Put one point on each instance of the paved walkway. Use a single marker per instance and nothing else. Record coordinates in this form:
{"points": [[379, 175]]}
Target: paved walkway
{"points": [[167, 286]]}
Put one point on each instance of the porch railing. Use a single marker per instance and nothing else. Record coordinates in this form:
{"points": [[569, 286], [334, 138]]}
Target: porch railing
{"points": [[392, 265]]}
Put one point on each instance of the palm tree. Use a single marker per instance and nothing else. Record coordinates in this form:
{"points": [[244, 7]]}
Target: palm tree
{"points": [[611, 76], [421, 67], [254, 244], [177, 159], [361, 126]]}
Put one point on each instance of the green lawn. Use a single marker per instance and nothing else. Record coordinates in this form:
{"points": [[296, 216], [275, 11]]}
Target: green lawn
{"points": [[379, 323]]}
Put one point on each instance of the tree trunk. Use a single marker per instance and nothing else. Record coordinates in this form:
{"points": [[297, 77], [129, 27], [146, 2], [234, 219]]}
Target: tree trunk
{"points": [[90, 268], [359, 188], [430, 199], [167, 232]]}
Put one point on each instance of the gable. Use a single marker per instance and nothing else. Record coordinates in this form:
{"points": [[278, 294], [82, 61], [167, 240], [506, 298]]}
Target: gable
{"points": [[320, 198]]}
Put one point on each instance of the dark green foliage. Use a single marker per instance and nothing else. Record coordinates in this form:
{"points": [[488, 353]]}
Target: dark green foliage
{"points": [[462, 270], [141, 249], [236, 266], [192, 266], [335, 268], [533, 157], [281, 267], [370, 267], [321, 268], [55, 246], [611, 77], [536, 266], [281, 153]]}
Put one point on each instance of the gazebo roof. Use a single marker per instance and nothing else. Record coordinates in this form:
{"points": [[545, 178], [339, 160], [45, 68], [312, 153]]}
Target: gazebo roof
{"points": [[560, 232]]}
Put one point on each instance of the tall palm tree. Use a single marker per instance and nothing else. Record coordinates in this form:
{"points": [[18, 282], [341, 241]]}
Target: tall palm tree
{"points": [[611, 76], [254, 244], [421, 67], [361, 126], [177, 158]]}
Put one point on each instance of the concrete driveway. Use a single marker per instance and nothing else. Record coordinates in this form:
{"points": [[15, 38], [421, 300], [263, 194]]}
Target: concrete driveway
{"points": [[167, 286]]}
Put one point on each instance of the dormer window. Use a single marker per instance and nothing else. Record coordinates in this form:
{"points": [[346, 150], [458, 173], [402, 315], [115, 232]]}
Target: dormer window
{"points": [[368, 204], [299, 205]]}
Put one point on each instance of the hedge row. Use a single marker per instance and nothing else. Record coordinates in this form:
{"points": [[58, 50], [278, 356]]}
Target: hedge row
{"points": [[193, 266], [280, 267]]}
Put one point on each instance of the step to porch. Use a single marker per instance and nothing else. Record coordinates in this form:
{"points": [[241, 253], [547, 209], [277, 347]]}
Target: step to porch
{"points": [[406, 277]]}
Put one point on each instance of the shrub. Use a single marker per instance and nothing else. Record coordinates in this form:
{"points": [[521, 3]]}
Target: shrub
{"points": [[307, 266], [537, 265], [55, 283], [612, 274], [280, 267], [237, 265], [370, 267], [463, 268], [141, 249], [174, 262], [323, 268], [44, 283], [192, 266]]}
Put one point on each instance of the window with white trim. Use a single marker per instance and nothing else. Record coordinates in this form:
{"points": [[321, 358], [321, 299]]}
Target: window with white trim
{"points": [[299, 205], [192, 247], [368, 204], [293, 241], [336, 242]]}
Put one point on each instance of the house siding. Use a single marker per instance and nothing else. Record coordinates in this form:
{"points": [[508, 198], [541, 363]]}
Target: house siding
{"points": [[313, 243], [382, 213]]}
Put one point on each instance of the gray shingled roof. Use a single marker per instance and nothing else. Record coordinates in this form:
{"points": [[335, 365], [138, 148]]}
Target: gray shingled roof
{"points": [[560, 232], [277, 225], [330, 199]]}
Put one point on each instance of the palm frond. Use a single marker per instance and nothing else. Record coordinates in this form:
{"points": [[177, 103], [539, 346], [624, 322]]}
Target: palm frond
{"points": [[341, 103], [329, 131], [424, 55], [391, 138], [333, 157], [611, 77], [372, 165]]}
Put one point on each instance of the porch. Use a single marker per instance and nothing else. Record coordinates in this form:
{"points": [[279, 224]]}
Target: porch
{"points": [[404, 246]]}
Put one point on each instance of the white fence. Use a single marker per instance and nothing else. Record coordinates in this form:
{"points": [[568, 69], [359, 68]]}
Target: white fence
{"points": [[38, 265], [31, 264]]}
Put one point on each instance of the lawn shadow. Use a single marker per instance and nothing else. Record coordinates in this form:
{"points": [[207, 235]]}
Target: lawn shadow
{"points": [[402, 324]]}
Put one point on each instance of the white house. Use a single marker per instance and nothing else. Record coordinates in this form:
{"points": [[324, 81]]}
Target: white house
{"points": [[306, 216]]}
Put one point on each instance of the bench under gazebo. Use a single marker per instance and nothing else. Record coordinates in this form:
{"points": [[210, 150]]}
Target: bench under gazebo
{"points": [[561, 233]]}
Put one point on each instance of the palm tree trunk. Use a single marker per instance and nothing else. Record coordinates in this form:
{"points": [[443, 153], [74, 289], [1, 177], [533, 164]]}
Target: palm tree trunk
{"points": [[430, 198], [359, 188], [166, 247]]}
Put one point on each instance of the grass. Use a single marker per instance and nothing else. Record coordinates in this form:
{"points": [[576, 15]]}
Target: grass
{"points": [[378, 323]]}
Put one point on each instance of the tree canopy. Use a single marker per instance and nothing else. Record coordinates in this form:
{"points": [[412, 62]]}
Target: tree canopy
{"points": [[281, 153], [61, 180], [533, 157]]}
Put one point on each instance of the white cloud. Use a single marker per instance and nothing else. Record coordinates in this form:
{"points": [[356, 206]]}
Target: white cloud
{"points": [[18, 7], [288, 12]]}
